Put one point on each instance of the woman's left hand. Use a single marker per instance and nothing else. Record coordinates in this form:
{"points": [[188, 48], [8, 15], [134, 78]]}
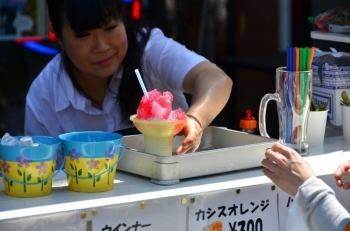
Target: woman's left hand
{"points": [[193, 135]]}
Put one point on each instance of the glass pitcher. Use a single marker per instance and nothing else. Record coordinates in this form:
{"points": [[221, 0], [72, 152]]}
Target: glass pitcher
{"points": [[293, 92]]}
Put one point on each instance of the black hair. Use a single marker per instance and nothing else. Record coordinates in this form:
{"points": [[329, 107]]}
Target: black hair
{"points": [[84, 15]]}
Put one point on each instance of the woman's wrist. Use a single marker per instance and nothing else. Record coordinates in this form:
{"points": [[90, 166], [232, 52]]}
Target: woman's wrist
{"points": [[195, 119]]}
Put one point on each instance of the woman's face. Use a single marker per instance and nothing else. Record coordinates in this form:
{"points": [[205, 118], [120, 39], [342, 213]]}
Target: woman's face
{"points": [[97, 53]]}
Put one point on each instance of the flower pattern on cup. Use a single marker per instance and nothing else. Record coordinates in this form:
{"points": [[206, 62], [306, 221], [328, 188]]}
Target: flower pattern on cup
{"points": [[42, 168], [56, 155], [24, 161], [5, 168], [74, 155], [93, 164], [109, 157]]}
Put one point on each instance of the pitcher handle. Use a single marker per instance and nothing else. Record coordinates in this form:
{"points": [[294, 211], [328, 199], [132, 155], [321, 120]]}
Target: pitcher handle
{"points": [[262, 112]]}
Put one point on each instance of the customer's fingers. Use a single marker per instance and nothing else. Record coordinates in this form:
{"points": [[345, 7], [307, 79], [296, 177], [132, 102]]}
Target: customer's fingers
{"points": [[280, 160], [269, 164], [284, 150], [345, 167], [267, 172]]}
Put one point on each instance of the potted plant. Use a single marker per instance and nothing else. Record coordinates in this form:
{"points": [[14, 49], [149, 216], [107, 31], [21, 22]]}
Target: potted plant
{"points": [[345, 112], [317, 120], [345, 99]]}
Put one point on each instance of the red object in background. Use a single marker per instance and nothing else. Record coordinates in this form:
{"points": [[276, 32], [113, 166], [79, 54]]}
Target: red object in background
{"points": [[21, 40], [136, 9], [51, 37], [249, 122]]}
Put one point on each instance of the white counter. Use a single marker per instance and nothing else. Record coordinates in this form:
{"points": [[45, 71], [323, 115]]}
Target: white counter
{"points": [[131, 189]]}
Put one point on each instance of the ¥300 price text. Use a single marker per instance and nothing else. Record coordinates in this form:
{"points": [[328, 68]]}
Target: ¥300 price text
{"points": [[249, 225]]}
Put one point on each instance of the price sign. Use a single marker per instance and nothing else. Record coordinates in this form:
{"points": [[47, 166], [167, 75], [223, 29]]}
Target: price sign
{"points": [[284, 203], [249, 209], [52, 222], [162, 214]]}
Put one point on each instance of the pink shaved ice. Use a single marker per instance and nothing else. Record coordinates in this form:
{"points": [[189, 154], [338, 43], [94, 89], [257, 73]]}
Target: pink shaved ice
{"points": [[158, 106]]}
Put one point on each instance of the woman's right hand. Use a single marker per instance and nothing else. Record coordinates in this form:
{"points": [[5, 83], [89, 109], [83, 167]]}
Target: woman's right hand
{"points": [[193, 134], [341, 169]]}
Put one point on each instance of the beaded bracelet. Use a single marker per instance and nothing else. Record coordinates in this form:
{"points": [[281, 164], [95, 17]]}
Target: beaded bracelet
{"points": [[195, 119]]}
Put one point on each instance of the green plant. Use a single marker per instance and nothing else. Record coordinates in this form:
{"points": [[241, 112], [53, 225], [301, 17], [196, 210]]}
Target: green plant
{"points": [[345, 99], [314, 106]]}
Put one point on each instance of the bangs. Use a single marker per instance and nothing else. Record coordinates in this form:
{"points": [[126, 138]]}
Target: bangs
{"points": [[85, 15]]}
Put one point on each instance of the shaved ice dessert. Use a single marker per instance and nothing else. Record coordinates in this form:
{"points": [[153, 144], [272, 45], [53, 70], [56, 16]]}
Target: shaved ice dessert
{"points": [[158, 106], [156, 120]]}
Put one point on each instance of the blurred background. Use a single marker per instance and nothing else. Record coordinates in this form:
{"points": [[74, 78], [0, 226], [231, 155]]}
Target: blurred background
{"points": [[246, 38]]}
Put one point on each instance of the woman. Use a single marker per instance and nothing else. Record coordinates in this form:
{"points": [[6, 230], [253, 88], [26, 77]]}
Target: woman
{"points": [[317, 202], [91, 84]]}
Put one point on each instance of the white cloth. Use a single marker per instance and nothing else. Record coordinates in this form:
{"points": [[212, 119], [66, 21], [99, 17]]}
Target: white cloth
{"points": [[54, 107]]}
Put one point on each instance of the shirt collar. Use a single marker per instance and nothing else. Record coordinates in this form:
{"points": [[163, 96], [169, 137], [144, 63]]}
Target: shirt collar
{"points": [[66, 94]]}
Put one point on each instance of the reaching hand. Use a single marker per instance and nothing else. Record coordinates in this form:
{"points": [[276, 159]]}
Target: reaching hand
{"points": [[286, 168], [193, 135], [345, 184]]}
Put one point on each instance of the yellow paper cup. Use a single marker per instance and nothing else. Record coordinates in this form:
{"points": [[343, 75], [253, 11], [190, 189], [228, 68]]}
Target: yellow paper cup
{"points": [[158, 134]]}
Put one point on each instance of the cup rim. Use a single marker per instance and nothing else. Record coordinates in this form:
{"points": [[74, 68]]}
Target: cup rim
{"points": [[322, 111], [64, 137], [134, 119]]}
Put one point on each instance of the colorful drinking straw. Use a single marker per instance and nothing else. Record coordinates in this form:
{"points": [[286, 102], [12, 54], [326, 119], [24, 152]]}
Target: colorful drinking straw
{"points": [[299, 60], [297, 99]]}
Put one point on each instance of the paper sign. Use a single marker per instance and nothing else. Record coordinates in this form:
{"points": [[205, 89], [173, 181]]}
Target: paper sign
{"points": [[163, 214], [52, 222], [284, 203], [251, 208]]}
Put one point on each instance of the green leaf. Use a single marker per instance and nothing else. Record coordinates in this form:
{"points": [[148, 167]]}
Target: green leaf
{"points": [[71, 166], [98, 178], [11, 183], [19, 172], [45, 183], [344, 96], [347, 102], [80, 172], [39, 179], [314, 106], [112, 169], [89, 175], [106, 166], [29, 177]]}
